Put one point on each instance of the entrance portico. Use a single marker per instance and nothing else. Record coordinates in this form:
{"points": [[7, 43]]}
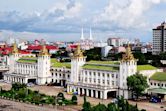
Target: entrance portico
{"points": [[92, 92]]}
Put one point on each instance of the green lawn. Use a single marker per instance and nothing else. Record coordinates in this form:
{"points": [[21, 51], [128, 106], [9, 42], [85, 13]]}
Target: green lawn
{"points": [[55, 63], [27, 60], [145, 67], [103, 62], [159, 76], [100, 67], [28, 57]]}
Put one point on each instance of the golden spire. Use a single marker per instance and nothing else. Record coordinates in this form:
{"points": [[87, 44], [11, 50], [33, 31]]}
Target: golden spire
{"points": [[43, 51], [78, 52], [128, 55], [14, 48]]}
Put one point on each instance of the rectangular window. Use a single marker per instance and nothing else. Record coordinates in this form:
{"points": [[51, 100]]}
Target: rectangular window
{"points": [[113, 83], [98, 73], [108, 75], [112, 75], [103, 74]]}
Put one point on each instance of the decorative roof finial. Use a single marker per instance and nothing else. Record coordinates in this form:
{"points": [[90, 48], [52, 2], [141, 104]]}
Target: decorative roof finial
{"points": [[14, 49], [128, 55], [78, 52], [44, 51]]}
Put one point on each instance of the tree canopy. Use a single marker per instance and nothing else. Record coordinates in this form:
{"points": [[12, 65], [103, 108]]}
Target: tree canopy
{"points": [[93, 54], [121, 105], [137, 84]]}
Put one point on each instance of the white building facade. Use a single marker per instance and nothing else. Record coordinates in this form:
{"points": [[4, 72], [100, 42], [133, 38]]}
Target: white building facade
{"points": [[24, 68], [94, 79]]}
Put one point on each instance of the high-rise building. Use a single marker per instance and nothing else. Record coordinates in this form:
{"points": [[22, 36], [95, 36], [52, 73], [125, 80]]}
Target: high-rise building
{"points": [[116, 41], [159, 39]]}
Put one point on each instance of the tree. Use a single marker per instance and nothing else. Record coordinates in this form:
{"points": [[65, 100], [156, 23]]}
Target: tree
{"points": [[60, 98], [141, 58], [112, 107], [93, 54], [137, 84], [86, 106], [99, 107], [74, 99]]}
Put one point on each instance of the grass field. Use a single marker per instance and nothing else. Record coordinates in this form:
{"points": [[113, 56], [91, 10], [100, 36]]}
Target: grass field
{"points": [[145, 67], [159, 76], [55, 63]]}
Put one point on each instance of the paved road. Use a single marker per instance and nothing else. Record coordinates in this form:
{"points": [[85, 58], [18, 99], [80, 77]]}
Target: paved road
{"points": [[7, 105], [149, 106]]}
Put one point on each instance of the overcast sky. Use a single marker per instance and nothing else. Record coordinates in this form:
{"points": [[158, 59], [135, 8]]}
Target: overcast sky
{"points": [[63, 19]]}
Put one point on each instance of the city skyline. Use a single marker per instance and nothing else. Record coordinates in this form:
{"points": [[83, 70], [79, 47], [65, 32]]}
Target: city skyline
{"points": [[63, 19]]}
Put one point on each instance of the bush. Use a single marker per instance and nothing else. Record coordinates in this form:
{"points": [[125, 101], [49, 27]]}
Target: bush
{"points": [[17, 86], [74, 99], [21, 93], [99, 107], [67, 102], [86, 106], [122, 105], [60, 98]]}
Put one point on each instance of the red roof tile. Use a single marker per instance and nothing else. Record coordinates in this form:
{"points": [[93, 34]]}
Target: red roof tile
{"points": [[49, 47]]}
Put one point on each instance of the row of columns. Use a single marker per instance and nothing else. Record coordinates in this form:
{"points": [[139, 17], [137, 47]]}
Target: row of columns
{"points": [[15, 79], [59, 81], [88, 92]]}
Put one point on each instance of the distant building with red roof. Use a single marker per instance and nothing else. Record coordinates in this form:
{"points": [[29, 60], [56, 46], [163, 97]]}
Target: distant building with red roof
{"points": [[36, 48], [71, 47], [5, 50]]}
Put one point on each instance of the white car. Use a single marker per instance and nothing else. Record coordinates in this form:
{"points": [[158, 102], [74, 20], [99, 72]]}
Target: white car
{"points": [[30, 84]]}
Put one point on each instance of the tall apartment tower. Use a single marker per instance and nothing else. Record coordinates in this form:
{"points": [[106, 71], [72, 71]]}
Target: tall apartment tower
{"points": [[159, 39]]}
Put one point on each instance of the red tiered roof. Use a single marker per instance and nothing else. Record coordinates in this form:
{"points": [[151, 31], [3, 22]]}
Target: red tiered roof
{"points": [[5, 50], [34, 47], [24, 52], [73, 46]]}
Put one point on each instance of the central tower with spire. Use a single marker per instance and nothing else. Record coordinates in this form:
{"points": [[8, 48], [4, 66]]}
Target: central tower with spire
{"points": [[128, 67], [77, 60], [13, 57]]}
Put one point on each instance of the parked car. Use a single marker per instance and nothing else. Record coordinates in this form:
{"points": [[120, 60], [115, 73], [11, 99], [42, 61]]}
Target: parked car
{"points": [[114, 101], [155, 99], [30, 84], [75, 93]]}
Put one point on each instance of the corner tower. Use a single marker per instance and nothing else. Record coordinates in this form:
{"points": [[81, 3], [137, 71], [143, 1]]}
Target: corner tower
{"points": [[128, 67], [43, 66], [13, 57]]}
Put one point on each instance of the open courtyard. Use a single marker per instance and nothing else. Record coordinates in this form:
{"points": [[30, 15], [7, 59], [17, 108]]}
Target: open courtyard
{"points": [[7, 105]]}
